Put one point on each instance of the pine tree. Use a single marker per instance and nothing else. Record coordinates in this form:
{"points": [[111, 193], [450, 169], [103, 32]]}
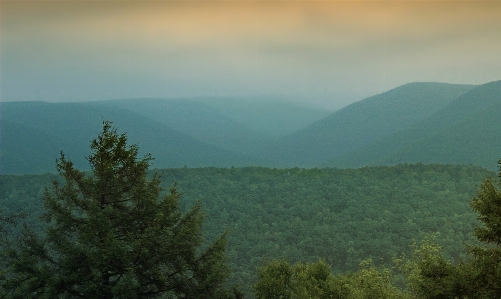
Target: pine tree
{"points": [[432, 276], [484, 279], [112, 234]]}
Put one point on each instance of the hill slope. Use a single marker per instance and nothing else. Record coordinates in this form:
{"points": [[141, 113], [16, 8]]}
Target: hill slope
{"points": [[362, 123], [467, 131], [199, 120], [271, 116], [71, 126], [22, 147]]}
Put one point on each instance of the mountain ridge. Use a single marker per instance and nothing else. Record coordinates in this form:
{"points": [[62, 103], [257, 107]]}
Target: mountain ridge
{"points": [[468, 109], [362, 123], [76, 124]]}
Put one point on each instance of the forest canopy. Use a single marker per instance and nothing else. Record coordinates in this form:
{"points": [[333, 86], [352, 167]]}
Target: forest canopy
{"points": [[111, 233], [343, 216]]}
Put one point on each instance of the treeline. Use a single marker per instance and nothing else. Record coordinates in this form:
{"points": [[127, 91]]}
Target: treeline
{"points": [[341, 216], [426, 274]]}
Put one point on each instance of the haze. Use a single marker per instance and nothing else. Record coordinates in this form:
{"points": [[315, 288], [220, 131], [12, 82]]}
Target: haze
{"points": [[326, 53]]}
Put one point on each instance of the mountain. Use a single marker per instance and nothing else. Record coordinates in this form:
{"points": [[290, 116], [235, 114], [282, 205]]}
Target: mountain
{"points": [[275, 117], [362, 123], [34, 132], [416, 122], [467, 131], [199, 120], [22, 147]]}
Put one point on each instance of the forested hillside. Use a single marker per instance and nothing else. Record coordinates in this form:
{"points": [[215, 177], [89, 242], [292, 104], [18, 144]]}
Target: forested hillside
{"points": [[198, 120], [416, 122], [70, 126], [342, 216], [466, 131], [362, 123], [195, 132]]}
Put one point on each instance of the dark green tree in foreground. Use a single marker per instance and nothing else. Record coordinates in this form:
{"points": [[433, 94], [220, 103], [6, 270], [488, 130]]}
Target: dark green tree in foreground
{"points": [[112, 235], [431, 276], [279, 279], [485, 269]]}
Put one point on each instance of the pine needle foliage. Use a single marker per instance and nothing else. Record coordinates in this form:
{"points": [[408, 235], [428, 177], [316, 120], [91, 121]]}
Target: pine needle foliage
{"points": [[112, 234]]}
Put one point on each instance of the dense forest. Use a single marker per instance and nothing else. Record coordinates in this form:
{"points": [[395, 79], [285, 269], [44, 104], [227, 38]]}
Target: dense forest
{"points": [[342, 216], [410, 222]]}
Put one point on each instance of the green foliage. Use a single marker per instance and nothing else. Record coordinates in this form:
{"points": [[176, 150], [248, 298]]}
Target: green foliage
{"points": [[279, 279], [274, 280], [464, 132], [370, 282], [33, 133], [340, 215], [485, 267], [111, 234], [430, 275], [362, 123], [487, 204]]}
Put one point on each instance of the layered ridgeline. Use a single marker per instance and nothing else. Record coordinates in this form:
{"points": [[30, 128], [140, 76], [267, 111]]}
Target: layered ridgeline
{"points": [[238, 124], [274, 116], [198, 120], [33, 134], [416, 122], [362, 123], [341, 215], [466, 131], [194, 132]]}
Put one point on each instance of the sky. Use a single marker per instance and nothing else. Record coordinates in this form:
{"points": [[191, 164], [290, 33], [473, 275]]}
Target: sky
{"points": [[324, 53]]}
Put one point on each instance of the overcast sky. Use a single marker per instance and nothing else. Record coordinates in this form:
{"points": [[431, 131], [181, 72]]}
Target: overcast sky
{"points": [[330, 52]]}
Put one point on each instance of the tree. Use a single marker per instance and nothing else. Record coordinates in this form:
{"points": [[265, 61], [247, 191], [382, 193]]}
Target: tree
{"points": [[112, 234], [430, 276], [279, 279], [485, 268]]}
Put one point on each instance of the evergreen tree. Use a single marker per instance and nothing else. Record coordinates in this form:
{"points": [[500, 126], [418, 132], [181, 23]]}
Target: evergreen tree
{"points": [[485, 268], [430, 276], [111, 234]]}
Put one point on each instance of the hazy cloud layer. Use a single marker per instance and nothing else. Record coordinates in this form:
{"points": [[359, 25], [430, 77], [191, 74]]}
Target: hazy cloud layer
{"points": [[332, 52]]}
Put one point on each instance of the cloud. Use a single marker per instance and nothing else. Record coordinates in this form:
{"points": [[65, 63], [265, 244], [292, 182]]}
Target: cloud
{"points": [[172, 48]]}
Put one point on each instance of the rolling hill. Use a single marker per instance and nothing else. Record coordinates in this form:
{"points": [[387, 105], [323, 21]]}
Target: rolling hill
{"points": [[467, 131], [362, 123], [416, 122], [34, 132], [198, 120], [275, 117]]}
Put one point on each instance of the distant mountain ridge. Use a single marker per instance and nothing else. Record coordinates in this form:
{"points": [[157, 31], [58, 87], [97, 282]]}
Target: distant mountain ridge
{"points": [[362, 123], [71, 126], [416, 122], [467, 131], [189, 132], [273, 116], [198, 120]]}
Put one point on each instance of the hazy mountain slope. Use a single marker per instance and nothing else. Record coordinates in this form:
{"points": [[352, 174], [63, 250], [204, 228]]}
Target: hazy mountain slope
{"points": [[362, 123], [22, 147], [74, 125], [198, 120], [466, 131], [272, 116], [476, 141]]}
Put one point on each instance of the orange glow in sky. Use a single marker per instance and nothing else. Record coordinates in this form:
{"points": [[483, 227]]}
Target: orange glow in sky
{"points": [[339, 50]]}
